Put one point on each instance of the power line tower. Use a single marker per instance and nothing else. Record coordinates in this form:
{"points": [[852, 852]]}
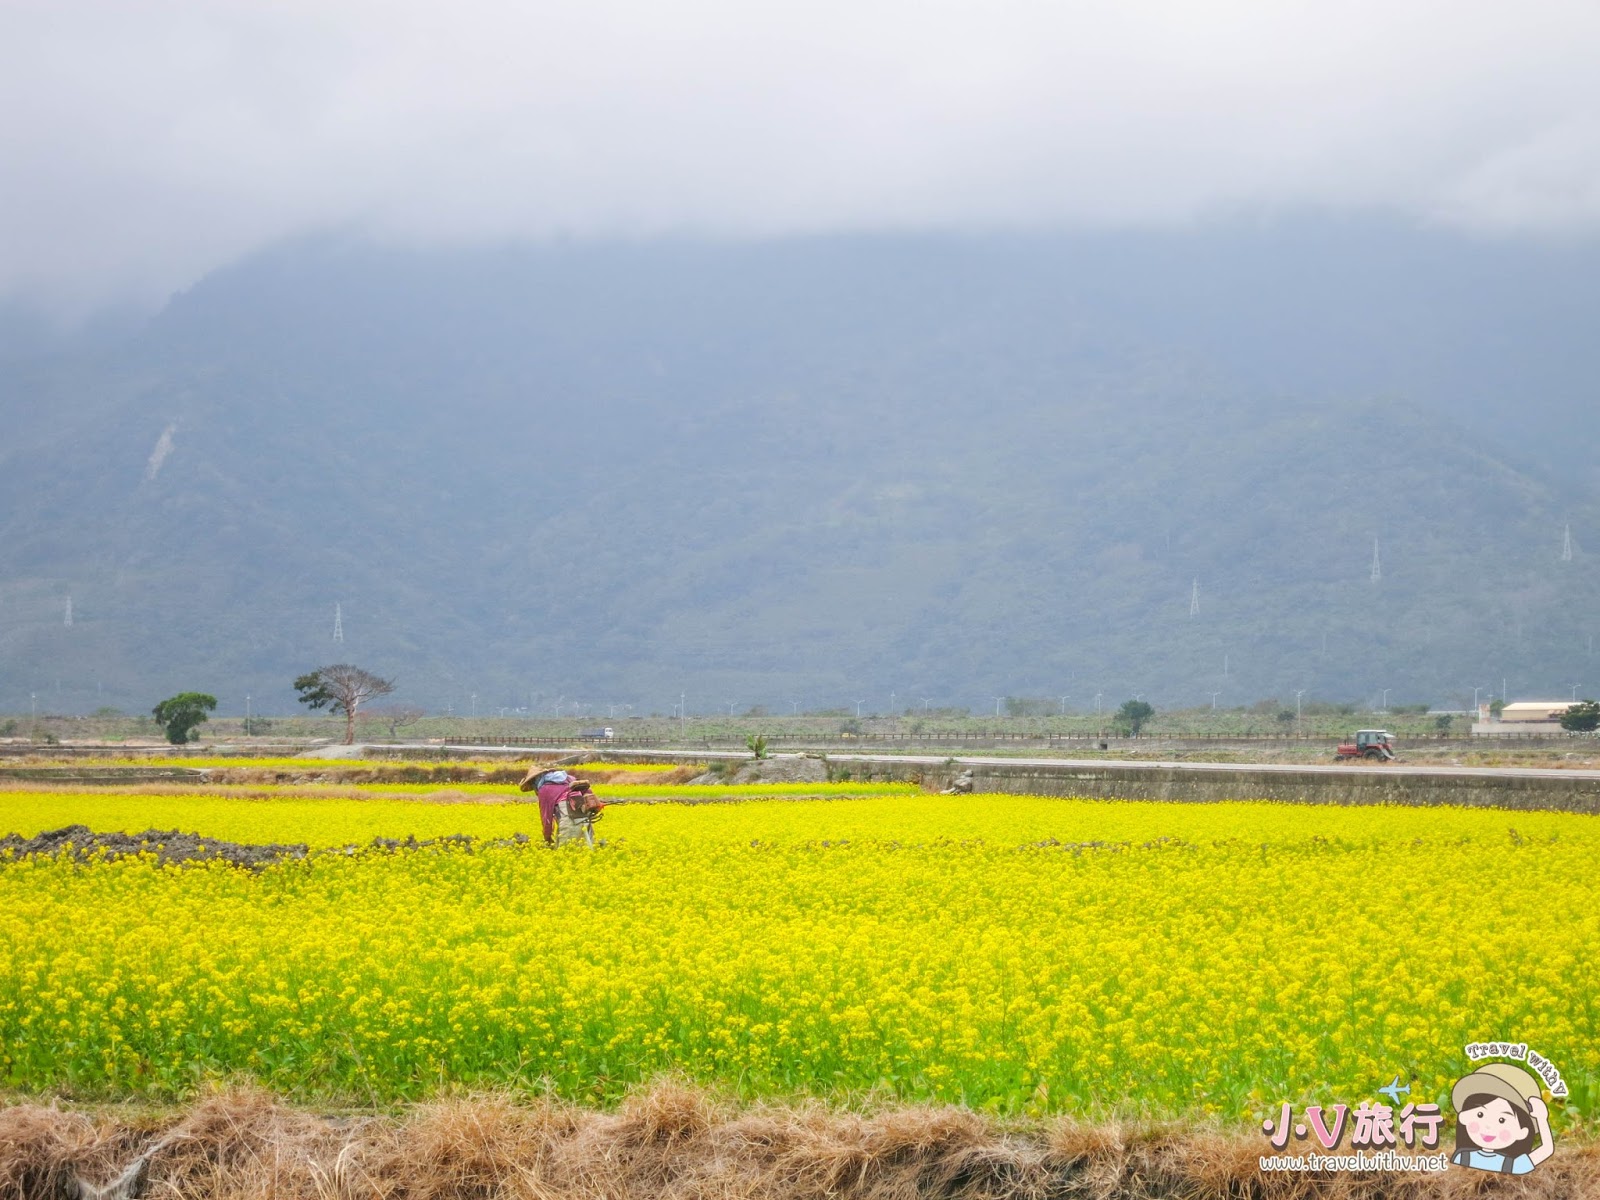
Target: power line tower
{"points": [[1194, 599], [338, 623], [1377, 566], [66, 617], [1566, 544]]}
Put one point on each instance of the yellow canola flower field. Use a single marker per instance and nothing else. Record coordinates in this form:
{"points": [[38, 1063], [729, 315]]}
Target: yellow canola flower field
{"points": [[299, 814], [1020, 954]]}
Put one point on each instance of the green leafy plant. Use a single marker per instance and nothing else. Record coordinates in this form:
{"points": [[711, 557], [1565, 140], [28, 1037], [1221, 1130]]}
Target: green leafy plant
{"points": [[180, 715], [757, 744]]}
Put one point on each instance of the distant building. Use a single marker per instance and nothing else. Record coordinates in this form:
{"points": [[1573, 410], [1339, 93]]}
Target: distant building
{"points": [[1525, 716], [1535, 710]]}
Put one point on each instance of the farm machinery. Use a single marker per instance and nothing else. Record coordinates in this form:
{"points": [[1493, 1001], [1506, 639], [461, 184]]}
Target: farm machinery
{"points": [[1369, 743]]}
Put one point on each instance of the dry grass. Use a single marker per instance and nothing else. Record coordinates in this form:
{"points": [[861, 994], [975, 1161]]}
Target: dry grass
{"points": [[675, 1143]]}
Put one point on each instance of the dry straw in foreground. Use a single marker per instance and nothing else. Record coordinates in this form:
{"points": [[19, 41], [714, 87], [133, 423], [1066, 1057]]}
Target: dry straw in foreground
{"points": [[672, 1143]]}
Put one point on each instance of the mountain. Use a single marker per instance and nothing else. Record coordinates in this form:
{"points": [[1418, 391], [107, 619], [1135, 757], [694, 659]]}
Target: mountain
{"points": [[819, 470]]}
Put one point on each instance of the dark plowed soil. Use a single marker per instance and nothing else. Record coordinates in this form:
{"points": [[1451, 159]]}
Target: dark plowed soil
{"points": [[174, 846], [168, 845]]}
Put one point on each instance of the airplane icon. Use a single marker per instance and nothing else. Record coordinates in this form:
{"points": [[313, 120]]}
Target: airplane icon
{"points": [[1394, 1089]]}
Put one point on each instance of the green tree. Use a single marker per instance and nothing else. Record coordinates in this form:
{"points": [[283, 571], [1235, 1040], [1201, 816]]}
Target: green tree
{"points": [[1582, 717], [341, 688], [180, 715], [1134, 715]]}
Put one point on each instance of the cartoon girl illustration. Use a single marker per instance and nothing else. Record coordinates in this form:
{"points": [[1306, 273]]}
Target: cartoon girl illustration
{"points": [[1499, 1117]]}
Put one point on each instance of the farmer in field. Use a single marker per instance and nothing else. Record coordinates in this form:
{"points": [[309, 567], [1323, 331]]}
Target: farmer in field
{"points": [[568, 807]]}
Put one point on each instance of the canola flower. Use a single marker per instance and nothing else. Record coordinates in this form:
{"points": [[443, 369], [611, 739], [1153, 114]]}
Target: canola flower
{"points": [[1013, 953]]}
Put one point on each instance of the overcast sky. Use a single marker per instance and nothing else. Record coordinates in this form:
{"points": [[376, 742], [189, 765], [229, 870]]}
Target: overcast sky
{"points": [[142, 143]]}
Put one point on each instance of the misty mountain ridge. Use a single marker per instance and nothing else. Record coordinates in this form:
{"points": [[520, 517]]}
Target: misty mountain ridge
{"points": [[819, 469]]}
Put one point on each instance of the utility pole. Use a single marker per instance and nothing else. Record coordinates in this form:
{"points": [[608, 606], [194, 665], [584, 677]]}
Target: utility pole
{"points": [[338, 623]]}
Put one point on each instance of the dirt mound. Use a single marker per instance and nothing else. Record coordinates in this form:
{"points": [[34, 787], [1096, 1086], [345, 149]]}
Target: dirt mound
{"points": [[797, 769], [673, 1143], [170, 846], [623, 774]]}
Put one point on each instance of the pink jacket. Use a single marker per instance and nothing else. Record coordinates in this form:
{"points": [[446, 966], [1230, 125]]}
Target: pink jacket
{"points": [[550, 795]]}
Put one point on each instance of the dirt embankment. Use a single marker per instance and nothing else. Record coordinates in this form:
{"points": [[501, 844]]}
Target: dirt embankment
{"points": [[672, 1143], [803, 769], [173, 846]]}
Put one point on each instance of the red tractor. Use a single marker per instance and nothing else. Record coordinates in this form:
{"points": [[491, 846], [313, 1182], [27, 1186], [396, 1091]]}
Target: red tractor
{"points": [[1370, 743]]}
